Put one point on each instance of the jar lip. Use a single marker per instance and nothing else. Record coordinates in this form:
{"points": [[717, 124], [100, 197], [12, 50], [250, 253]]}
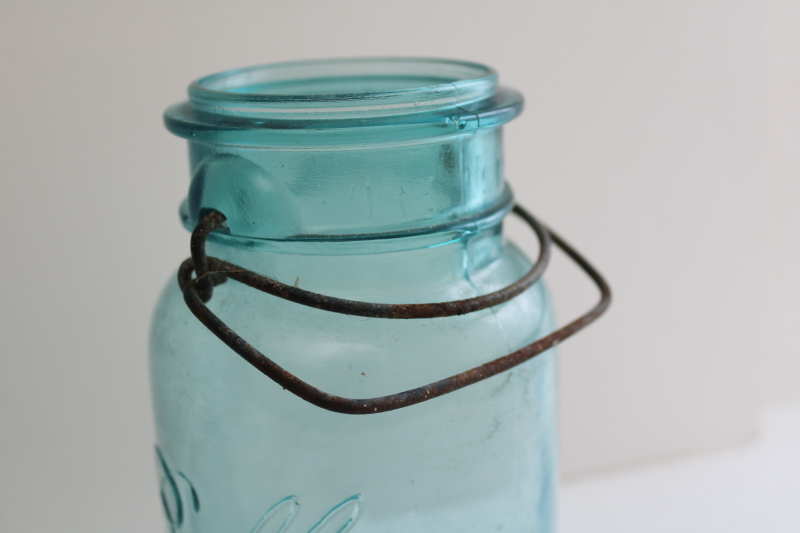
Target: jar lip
{"points": [[341, 88], [341, 103]]}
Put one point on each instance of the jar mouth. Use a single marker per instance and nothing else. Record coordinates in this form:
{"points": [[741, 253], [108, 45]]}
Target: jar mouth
{"points": [[343, 88], [343, 103]]}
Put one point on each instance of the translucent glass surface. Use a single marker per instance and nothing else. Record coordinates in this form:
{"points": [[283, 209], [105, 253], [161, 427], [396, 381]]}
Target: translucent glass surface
{"points": [[410, 217]]}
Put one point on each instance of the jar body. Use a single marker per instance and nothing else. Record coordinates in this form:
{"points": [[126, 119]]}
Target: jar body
{"points": [[393, 194], [238, 453]]}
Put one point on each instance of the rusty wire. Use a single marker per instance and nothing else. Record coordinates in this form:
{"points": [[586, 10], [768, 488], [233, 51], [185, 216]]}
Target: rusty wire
{"points": [[211, 271]]}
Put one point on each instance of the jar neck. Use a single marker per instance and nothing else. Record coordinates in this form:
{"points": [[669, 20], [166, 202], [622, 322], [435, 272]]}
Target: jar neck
{"points": [[315, 193], [346, 149]]}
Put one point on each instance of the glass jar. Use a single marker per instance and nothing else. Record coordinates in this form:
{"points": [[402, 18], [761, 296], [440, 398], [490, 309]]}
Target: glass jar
{"points": [[369, 179]]}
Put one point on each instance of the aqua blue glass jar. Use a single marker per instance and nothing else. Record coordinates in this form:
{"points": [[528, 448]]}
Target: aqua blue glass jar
{"points": [[378, 180]]}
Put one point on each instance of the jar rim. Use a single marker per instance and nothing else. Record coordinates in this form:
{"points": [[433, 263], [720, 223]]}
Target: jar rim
{"points": [[343, 87], [343, 102]]}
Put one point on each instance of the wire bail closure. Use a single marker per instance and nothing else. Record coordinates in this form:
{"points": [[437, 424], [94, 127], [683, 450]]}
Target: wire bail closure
{"points": [[211, 272]]}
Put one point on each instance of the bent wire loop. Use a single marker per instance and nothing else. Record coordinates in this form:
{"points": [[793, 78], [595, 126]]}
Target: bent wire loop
{"points": [[211, 271]]}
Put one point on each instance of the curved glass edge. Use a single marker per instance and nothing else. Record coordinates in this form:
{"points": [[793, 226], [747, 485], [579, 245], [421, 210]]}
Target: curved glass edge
{"points": [[353, 87], [367, 243], [185, 121]]}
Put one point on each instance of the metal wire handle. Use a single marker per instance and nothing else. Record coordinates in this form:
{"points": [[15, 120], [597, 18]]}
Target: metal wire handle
{"points": [[211, 271]]}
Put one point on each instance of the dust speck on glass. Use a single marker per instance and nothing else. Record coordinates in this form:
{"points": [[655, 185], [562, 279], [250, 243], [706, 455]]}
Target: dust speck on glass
{"points": [[378, 180]]}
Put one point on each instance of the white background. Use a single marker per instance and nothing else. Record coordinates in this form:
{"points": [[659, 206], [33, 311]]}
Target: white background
{"points": [[660, 137]]}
